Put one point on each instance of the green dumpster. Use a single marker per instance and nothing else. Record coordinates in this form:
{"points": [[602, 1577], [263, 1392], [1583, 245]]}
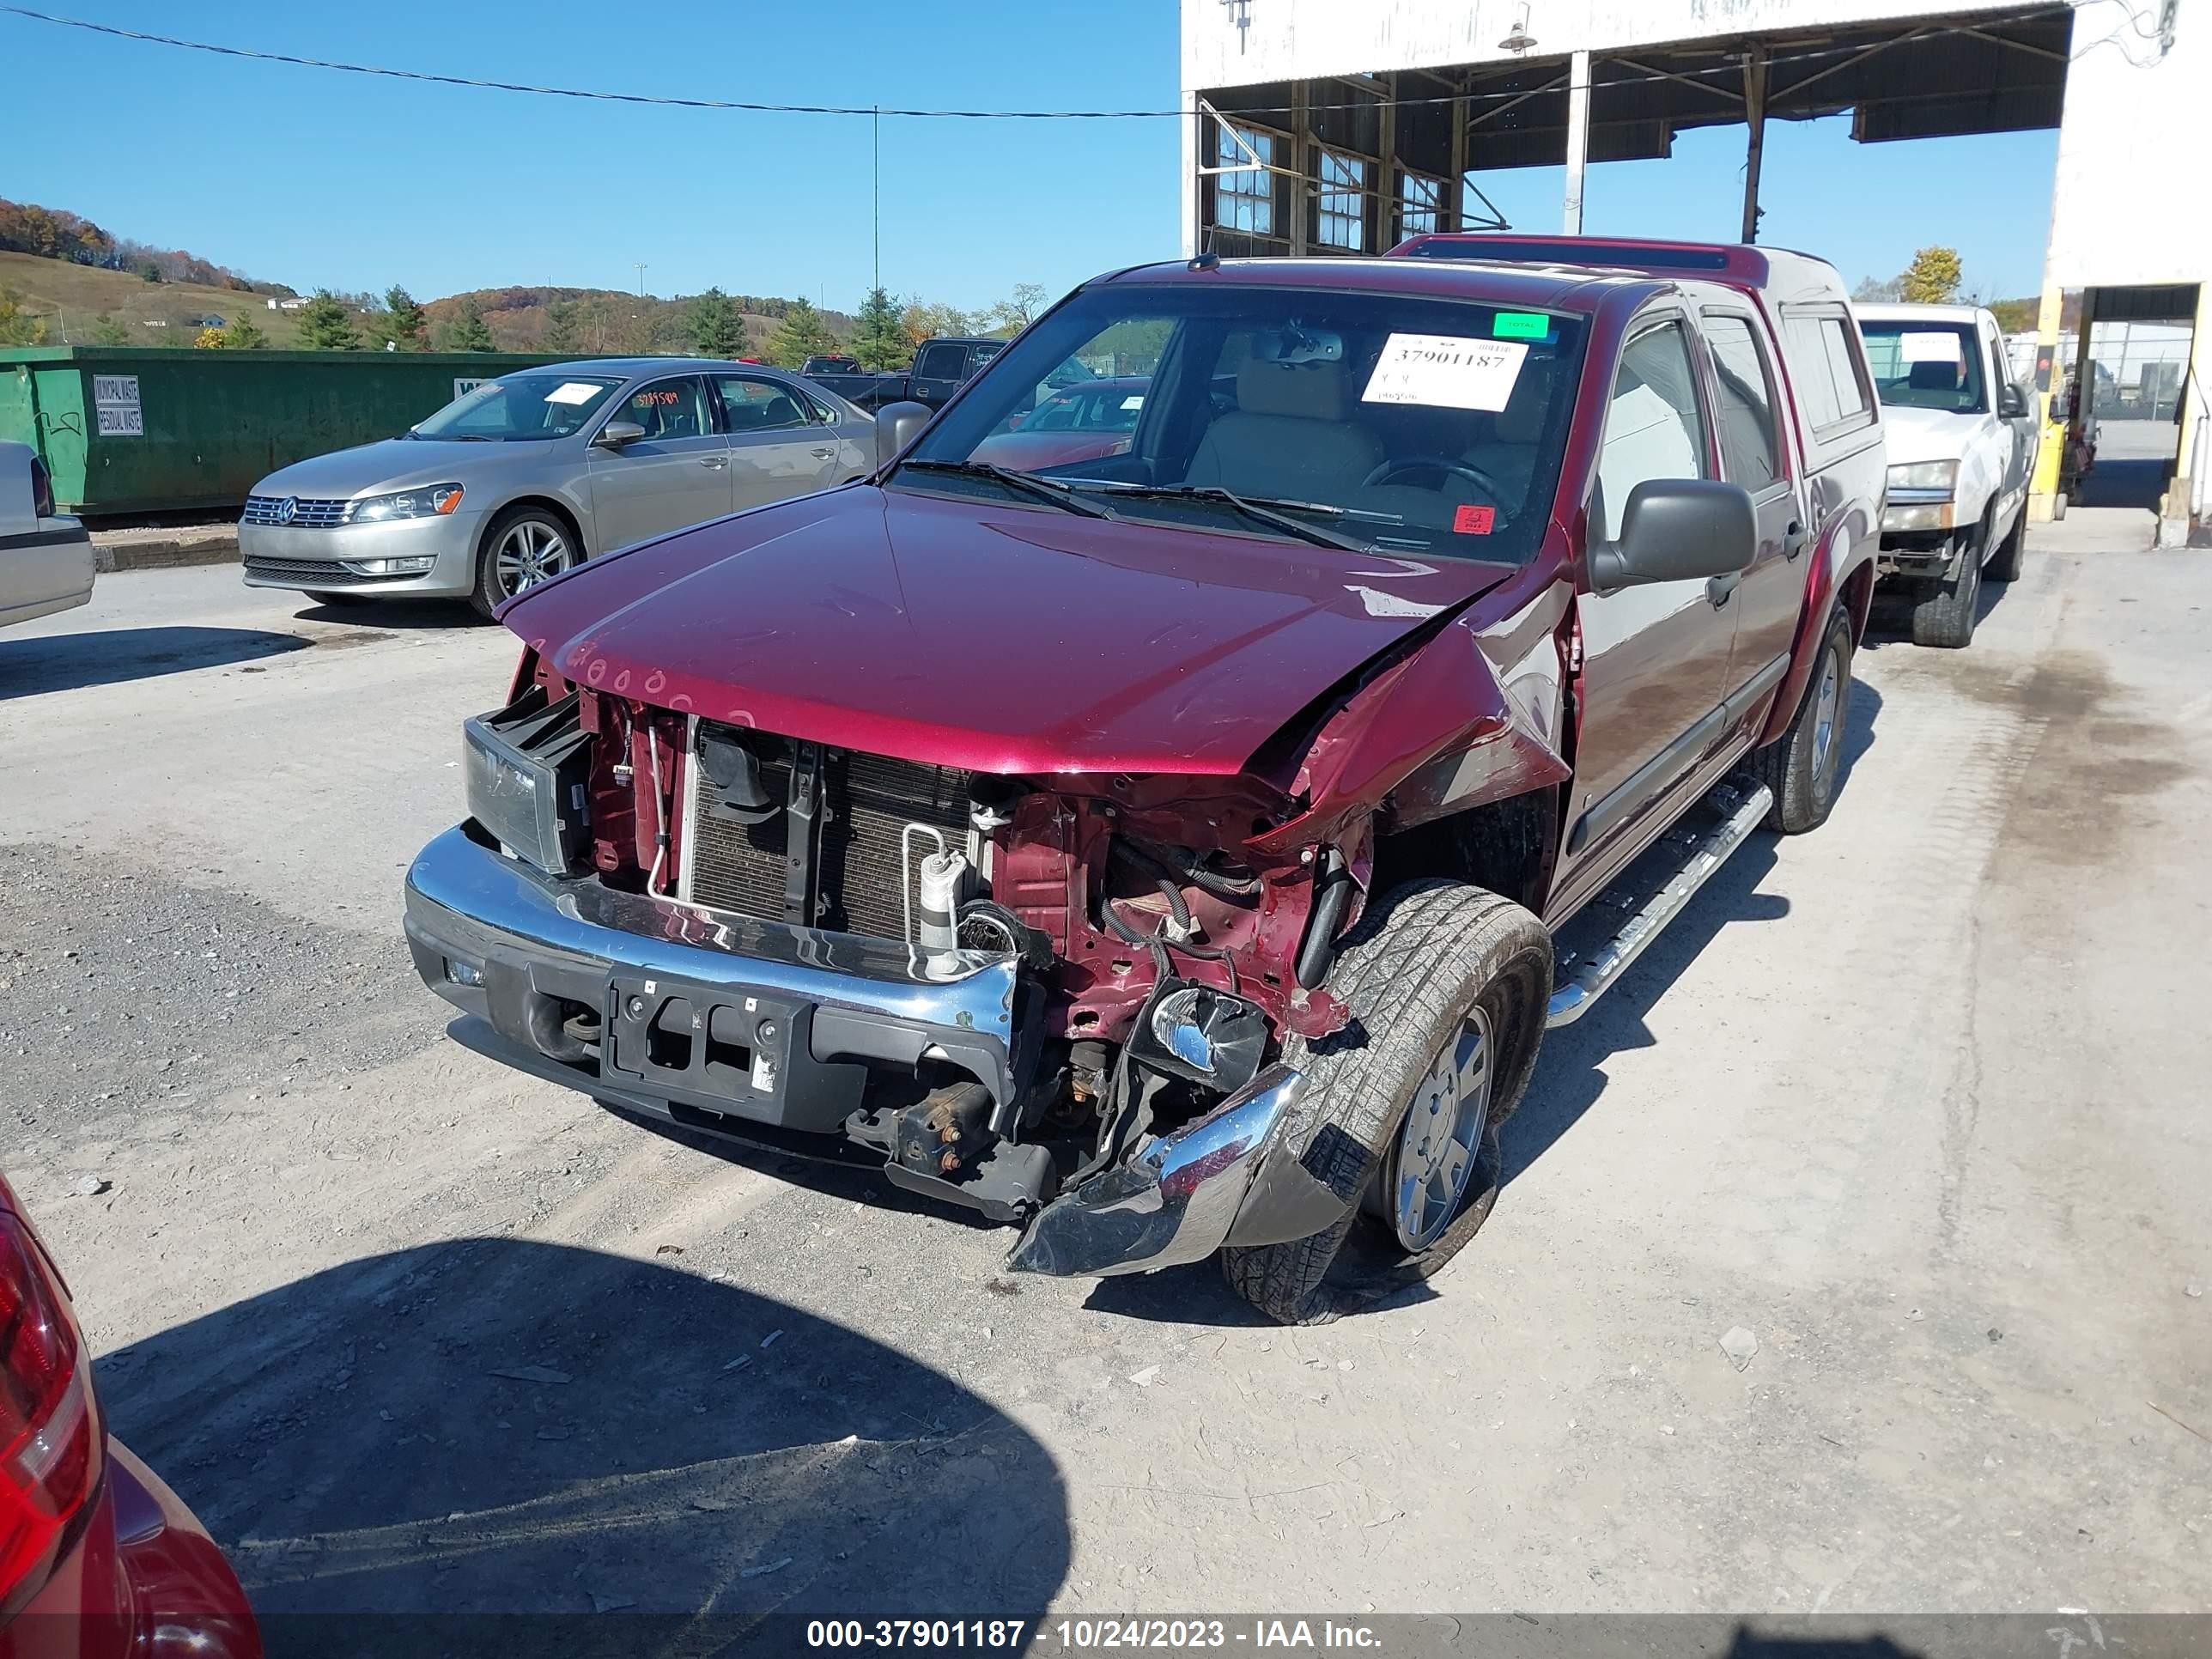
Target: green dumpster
{"points": [[129, 429]]}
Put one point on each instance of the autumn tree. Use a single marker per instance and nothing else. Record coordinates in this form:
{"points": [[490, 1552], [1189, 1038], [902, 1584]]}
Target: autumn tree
{"points": [[802, 334], [925, 319], [210, 338], [405, 324], [1932, 278], [716, 328], [879, 339], [468, 331], [325, 324]]}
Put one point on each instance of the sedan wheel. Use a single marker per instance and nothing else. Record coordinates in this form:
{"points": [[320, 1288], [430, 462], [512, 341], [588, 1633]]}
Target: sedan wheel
{"points": [[530, 551], [521, 549]]}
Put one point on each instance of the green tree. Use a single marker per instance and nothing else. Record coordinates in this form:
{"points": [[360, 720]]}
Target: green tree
{"points": [[878, 338], [561, 332], [150, 271], [1011, 315], [110, 330], [468, 331], [327, 326], [802, 334], [1932, 278], [405, 323], [716, 327], [243, 335]]}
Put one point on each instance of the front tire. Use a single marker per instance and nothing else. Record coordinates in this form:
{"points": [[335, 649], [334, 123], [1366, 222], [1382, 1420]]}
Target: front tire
{"points": [[1448, 987], [1804, 766], [1943, 615], [521, 548]]}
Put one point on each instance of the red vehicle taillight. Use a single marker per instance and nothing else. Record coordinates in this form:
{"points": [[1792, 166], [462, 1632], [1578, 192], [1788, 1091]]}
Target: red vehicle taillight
{"points": [[50, 1443]]}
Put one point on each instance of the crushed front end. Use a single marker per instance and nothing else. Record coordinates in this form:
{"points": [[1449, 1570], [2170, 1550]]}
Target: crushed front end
{"points": [[1000, 989]]}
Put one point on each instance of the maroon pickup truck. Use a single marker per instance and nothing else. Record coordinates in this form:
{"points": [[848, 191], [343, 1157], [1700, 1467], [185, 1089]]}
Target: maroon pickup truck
{"points": [[1161, 850]]}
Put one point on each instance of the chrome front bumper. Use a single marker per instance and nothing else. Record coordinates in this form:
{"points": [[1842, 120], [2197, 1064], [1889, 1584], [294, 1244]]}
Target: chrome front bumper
{"points": [[1230, 1178], [517, 948], [340, 559]]}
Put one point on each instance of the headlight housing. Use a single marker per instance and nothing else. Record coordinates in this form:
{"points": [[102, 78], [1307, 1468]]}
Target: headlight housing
{"points": [[431, 501], [1923, 481]]}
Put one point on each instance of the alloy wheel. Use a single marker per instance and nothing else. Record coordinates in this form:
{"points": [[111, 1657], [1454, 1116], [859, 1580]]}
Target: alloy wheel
{"points": [[528, 552]]}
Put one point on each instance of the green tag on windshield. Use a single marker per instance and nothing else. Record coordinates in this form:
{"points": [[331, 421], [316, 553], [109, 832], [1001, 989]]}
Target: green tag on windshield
{"points": [[1521, 325]]}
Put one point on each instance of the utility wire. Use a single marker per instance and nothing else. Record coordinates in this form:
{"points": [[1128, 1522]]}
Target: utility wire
{"points": [[1728, 69]]}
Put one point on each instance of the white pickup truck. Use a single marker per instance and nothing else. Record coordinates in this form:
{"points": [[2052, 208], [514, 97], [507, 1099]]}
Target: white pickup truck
{"points": [[1961, 436]]}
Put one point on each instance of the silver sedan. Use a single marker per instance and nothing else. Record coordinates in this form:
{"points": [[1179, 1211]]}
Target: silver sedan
{"points": [[537, 471]]}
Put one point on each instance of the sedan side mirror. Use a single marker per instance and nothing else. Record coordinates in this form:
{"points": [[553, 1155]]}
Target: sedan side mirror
{"points": [[615, 433], [1678, 530], [897, 425], [2012, 403]]}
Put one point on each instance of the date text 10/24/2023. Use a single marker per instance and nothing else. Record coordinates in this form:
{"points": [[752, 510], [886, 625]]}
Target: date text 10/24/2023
{"points": [[1088, 1635]]}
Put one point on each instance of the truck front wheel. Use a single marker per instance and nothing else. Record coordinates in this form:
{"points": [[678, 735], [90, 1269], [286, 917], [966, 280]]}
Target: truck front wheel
{"points": [[1448, 987], [1943, 613], [1803, 766]]}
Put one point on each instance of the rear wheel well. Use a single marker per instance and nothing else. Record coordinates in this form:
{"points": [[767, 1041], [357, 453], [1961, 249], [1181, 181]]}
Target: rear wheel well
{"points": [[1503, 847]]}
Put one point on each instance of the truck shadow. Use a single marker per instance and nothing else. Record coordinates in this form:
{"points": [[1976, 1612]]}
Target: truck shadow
{"points": [[461, 1447], [110, 656]]}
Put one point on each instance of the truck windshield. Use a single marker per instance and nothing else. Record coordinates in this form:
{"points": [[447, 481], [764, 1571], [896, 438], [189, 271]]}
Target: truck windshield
{"points": [[1924, 365], [520, 408], [1400, 424]]}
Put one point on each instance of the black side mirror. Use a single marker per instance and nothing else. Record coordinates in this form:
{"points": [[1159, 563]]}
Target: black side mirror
{"points": [[898, 425], [615, 433], [2012, 405], [1678, 530]]}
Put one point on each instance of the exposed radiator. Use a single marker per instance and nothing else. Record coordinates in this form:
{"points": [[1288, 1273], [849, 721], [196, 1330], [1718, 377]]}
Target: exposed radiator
{"points": [[867, 801]]}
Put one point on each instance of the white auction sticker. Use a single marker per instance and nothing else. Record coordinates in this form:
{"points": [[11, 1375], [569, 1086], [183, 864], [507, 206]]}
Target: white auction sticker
{"points": [[574, 392], [1447, 370], [1931, 345]]}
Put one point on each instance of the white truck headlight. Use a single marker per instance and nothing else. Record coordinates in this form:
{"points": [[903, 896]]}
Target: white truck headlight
{"points": [[1922, 479]]}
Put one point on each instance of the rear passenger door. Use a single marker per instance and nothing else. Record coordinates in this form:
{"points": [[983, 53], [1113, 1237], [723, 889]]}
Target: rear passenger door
{"points": [[1655, 657], [777, 448], [1753, 452]]}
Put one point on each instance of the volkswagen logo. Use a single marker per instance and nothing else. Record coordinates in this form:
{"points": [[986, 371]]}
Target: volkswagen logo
{"points": [[288, 509]]}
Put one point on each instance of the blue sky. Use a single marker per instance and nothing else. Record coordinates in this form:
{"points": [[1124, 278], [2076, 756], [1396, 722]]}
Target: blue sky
{"points": [[313, 178]]}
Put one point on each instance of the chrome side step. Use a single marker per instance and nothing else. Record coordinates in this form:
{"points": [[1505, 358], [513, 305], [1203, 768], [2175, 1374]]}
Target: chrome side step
{"points": [[1603, 971]]}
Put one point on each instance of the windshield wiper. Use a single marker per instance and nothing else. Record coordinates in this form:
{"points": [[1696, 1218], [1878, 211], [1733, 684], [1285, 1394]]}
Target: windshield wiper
{"points": [[1024, 484], [1259, 512]]}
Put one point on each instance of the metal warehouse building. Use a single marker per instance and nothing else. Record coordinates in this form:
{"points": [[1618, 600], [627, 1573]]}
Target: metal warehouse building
{"points": [[1341, 126]]}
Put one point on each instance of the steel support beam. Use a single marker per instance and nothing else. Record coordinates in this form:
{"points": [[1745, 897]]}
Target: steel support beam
{"points": [[1754, 110], [1579, 103]]}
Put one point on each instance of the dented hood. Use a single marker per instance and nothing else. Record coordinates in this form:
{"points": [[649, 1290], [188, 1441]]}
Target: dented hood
{"points": [[1007, 640]]}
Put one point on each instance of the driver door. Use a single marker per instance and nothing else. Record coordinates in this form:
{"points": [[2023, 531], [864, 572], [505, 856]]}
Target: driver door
{"points": [[677, 474], [1655, 657]]}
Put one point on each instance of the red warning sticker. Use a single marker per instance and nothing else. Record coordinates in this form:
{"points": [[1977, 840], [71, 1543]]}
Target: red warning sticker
{"points": [[1474, 520]]}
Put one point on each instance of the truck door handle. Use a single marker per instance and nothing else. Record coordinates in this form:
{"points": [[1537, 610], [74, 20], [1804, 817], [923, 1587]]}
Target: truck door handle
{"points": [[1795, 539], [1721, 588], [821, 454], [717, 462]]}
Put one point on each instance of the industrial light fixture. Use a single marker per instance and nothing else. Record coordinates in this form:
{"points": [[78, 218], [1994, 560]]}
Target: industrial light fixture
{"points": [[1520, 41]]}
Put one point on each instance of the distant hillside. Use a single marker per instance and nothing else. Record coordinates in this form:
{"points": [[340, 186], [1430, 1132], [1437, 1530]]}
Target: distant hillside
{"points": [[74, 301], [57, 234], [607, 322]]}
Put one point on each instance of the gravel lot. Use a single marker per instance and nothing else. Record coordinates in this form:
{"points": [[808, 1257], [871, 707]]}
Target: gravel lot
{"points": [[1916, 1101]]}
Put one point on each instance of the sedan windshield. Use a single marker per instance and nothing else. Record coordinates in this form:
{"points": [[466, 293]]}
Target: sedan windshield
{"points": [[1356, 419], [1924, 365], [521, 407]]}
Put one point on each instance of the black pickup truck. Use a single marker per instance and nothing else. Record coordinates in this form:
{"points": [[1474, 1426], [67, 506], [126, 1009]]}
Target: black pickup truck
{"points": [[941, 366]]}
